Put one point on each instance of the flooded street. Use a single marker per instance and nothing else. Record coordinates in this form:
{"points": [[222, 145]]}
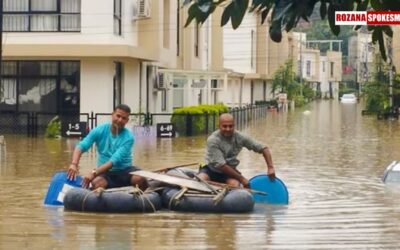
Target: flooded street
{"points": [[330, 157]]}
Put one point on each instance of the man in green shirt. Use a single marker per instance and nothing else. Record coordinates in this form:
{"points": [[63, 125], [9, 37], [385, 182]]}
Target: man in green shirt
{"points": [[222, 149]]}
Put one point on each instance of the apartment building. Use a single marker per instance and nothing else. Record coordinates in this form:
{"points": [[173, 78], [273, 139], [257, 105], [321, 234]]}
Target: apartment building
{"points": [[198, 77], [250, 52], [361, 55], [74, 56], [321, 70], [68, 57]]}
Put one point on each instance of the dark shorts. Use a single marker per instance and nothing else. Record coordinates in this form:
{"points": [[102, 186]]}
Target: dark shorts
{"points": [[214, 176], [120, 178]]}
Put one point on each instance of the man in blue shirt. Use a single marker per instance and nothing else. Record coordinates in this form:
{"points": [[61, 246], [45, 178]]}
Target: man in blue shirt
{"points": [[114, 154]]}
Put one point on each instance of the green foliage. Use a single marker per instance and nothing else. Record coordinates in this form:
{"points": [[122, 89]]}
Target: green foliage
{"points": [[53, 129], [197, 114], [308, 93], [377, 90], [284, 80], [287, 13], [294, 88], [299, 101]]}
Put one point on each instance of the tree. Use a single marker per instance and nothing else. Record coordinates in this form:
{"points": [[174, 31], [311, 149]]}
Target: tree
{"points": [[376, 90], [283, 79], [285, 14]]}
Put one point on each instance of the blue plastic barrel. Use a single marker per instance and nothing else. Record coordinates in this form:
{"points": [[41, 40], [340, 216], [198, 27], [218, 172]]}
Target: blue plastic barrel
{"points": [[58, 187], [276, 190]]}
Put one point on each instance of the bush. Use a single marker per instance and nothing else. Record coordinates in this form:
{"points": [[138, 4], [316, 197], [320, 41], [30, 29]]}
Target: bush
{"points": [[197, 118], [53, 129], [308, 93], [299, 101]]}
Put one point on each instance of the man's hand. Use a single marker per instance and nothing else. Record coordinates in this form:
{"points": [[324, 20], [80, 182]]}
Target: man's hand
{"points": [[244, 182], [73, 171], [271, 173], [87, 180]]}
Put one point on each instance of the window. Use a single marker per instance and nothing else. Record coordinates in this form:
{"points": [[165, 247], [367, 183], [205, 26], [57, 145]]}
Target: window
{"points": [[117, 83], [40, 86], [332, 67], [196, 39], [308, 68], [117, 18], [41, 15]]}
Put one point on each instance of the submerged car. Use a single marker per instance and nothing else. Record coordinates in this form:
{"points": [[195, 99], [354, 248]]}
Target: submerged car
{"points": [[348, 98], [392, 173]]}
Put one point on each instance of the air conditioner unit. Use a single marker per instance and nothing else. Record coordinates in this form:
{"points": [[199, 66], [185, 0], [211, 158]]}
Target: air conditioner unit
{"points": [[162, 81], [141, 9]]}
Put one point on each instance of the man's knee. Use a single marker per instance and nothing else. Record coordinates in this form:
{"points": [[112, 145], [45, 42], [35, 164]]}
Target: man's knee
{"points": [[233, 182], [203, 176], [139, 181], [99, 182]]}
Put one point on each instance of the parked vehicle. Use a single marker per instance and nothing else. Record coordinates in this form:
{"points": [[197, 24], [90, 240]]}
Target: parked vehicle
{"points": [[392, 173], [348, 98]]}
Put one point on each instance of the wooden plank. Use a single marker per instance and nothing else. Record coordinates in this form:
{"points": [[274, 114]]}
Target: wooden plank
{"points": [[178, 166], [175, 180]]}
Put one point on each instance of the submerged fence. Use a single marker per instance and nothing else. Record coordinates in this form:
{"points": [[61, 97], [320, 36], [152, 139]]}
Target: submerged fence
{"points": [[34, 123]]}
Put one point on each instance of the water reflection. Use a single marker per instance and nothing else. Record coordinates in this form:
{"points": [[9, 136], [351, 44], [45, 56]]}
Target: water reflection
{"points": [[330, 157]]}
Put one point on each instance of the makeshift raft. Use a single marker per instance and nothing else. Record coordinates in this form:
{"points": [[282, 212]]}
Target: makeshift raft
{"points": [[182, 193], [233, 201], [117, 200]]}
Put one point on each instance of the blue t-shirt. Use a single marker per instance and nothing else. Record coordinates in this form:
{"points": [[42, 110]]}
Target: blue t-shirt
{"points": [[114, 148]]}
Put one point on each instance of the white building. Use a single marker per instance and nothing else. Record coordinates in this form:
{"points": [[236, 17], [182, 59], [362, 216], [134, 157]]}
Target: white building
{"points": [[68, 57], [321, 70]]}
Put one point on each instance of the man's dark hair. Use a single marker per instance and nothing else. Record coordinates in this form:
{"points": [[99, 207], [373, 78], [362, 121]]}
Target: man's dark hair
{"points": [[123, 107]]}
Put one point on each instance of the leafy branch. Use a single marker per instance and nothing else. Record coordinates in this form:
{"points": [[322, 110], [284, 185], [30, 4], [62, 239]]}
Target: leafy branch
{"points": [[285, 14]]}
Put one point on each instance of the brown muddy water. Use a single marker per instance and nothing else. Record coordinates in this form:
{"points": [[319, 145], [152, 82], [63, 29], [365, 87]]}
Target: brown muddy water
{"points": [[331, 159]]}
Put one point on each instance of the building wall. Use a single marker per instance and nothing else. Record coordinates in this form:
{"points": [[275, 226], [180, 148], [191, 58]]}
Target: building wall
{"points": [[240, 44], [278, 53], [246, 92], [215, 46], [258, 92], [323, 75], [97, 84], [396, 47], [312, 56], [95, 39], [187, 59], [336, 58]]}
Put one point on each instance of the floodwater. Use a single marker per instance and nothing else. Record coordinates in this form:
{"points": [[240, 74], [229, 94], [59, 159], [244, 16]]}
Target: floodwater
{"points": [[330, 157]]}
